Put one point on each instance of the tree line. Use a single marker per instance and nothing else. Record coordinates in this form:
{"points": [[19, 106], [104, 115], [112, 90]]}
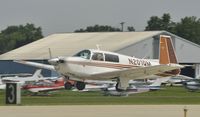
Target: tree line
{"points": [[188, 27], [16, 36]]}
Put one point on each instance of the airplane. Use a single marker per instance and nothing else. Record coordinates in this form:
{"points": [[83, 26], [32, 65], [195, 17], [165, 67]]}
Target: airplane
{"points": [[192, 85], [23, 79], [93, 87], [92, 64], [136, 87], [44, 85], [2, 85], [152, 86]]}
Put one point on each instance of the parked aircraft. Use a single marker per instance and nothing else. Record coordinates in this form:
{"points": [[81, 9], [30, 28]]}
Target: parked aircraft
{"points": [[23, 79], [2, 85], [93, 87], [44, 85], [136, 87], [93, 64], [192, 84]]}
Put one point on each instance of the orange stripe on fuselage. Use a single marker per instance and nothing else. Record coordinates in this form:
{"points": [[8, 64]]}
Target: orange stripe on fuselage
{"points": [[107, 65], [115, 66]]}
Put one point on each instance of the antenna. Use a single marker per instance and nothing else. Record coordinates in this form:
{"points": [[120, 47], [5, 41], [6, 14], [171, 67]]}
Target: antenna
{"points": [[145, 57], [50, 55], [122, 26], [98, 46]]}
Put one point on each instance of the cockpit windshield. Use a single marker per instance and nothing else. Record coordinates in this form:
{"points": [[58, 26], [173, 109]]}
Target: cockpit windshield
{"points": [[84, 54]]}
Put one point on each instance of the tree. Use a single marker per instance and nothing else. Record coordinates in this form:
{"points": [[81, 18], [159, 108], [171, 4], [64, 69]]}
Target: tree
{"points": [[163, 23], [15, 36], [130, 28], [189, 28], [99, 28]]}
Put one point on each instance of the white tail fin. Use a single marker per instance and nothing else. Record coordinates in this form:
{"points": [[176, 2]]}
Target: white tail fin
{"points": [[37, 74]]}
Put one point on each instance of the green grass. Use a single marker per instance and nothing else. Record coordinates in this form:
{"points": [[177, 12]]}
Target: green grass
{"points": [[168, 95]]}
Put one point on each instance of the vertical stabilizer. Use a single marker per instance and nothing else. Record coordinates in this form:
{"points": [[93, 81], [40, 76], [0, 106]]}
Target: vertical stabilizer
{"points": [[167, 54], [37, 74]]}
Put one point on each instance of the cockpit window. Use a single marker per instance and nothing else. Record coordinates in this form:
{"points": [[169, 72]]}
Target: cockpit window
{"points": [[97, 56], [84, 54]]}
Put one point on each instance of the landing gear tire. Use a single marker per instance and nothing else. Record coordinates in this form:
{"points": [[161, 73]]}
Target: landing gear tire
{"points": [[80, 85], [68, 86]]}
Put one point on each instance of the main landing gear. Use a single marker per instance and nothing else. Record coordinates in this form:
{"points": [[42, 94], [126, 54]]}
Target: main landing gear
{"points": [[80, 85], [68, 85], [117, 88]]}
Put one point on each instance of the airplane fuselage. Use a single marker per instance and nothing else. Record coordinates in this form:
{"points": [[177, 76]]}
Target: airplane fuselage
{"points": [[81, 68]]}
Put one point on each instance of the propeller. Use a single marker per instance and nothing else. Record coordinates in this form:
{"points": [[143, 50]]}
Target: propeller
{"points": [[55, 61]]}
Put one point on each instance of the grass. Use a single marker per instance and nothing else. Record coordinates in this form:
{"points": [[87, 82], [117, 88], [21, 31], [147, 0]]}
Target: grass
{"points": [[168, 95]]}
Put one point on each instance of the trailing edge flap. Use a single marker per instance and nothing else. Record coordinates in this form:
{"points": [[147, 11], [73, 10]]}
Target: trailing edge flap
{"points": [[137, 73]]}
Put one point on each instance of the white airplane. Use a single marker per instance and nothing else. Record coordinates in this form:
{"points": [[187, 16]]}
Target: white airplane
{"points": [[93, 87], [2, 85], [44, 85], [136, 87], [22, 80], [93, 64]]}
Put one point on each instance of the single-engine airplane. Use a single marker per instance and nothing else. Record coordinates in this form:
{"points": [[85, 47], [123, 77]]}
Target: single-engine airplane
{"points": [[94, 64]]}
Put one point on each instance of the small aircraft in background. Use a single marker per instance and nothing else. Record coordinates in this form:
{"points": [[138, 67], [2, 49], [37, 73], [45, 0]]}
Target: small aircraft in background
{"points": [[25, 79], [93, 64], [2, 85], [93, 87], [22, 80], [137, 87], [192, 85], [44, 85]]}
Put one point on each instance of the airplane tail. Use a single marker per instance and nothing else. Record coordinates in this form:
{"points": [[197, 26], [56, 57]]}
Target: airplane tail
{"points": [[37, 74], [167, 53]]}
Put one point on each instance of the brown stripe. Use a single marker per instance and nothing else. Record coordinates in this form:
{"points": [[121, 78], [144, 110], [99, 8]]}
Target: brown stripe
{"points": [[172, 55], [108, 65]]}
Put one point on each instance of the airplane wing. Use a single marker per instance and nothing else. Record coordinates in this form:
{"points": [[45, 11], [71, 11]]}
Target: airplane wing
{"points": [[140, 72], [183, 77], [35, 64]]}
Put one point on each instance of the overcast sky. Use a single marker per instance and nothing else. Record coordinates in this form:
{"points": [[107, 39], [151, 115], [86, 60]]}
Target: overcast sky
{"points": [[56, 16]]}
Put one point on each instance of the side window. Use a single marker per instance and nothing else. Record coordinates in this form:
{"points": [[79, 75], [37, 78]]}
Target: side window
{"points": [[111, 58], [97, 56]]}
